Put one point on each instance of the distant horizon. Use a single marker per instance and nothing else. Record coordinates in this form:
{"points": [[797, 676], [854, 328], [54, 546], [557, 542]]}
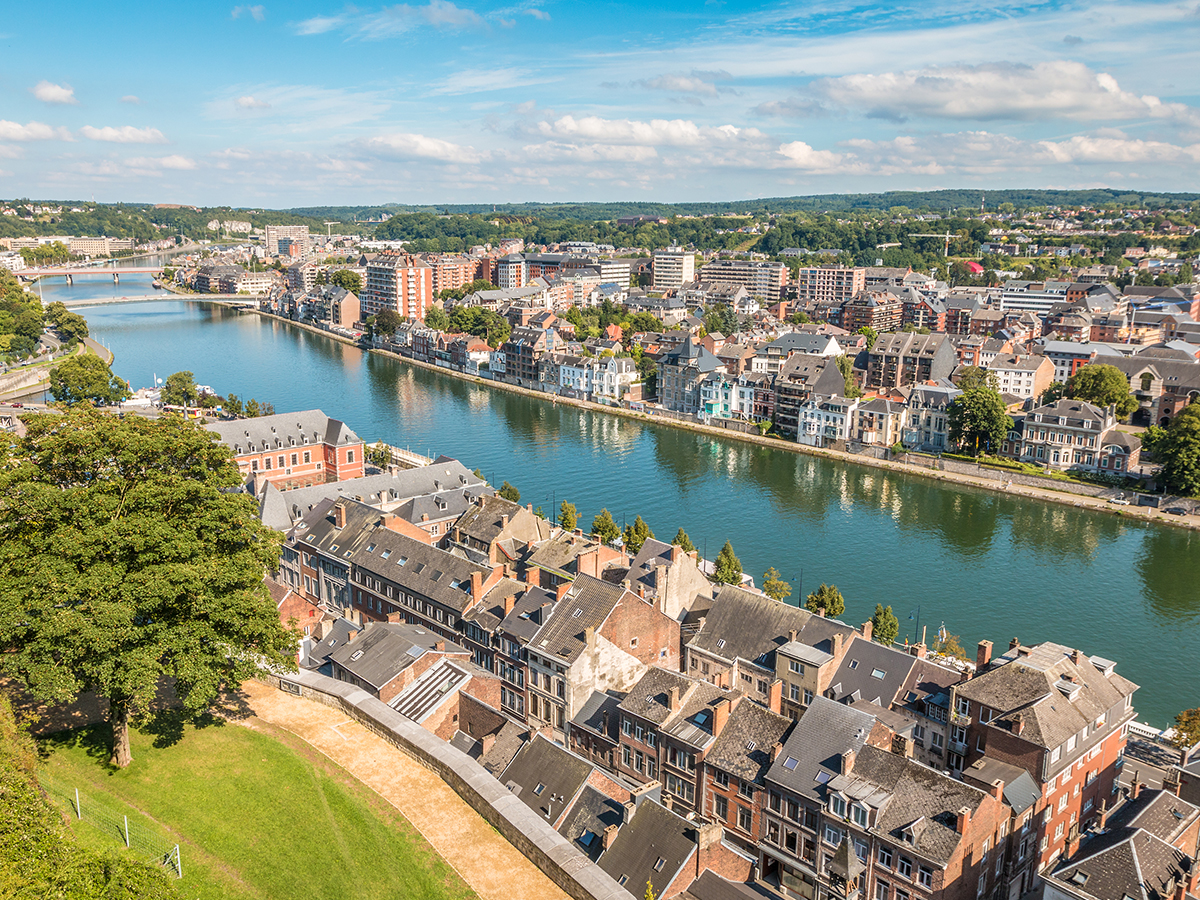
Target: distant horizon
{"points": [[452, 101]]}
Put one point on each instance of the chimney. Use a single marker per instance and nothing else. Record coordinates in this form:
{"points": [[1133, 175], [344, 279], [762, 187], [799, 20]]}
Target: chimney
{"points": [[708, 840], [487, 742], [509, 602], [868, 629], [775, 696], [997, 789], [676, 552], [1014, 644], [563, 589], [1135, 789], [836, 641], [820, 611], [720, 716], [776, 749], [604, 722], [395, 618], [848, 762], [1018, 724], [1102, 820], [1172, 783], [503, 521], [1077, 657], [424, 517], [589, 635], [529, 507], [641, 591], [792, 635], [673, 699], [440, 646], [983, 656], [963, 820], [476, 587], [339, 516], [533, 576], [920, 651], [902, 746], [610, 835], [1073, 843]]}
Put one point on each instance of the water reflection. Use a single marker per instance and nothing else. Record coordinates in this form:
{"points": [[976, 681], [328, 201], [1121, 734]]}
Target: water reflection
{"points": [[1167, 565]]}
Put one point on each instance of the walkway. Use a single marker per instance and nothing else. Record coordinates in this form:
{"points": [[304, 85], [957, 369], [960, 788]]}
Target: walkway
{"points": [[484, 859]]}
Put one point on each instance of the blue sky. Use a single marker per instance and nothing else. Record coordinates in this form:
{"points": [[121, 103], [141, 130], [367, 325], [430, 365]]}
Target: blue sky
{"points": [[446, 101]]}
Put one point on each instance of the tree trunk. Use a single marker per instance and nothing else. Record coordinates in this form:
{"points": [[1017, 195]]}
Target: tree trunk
{"points": [[118, 717]]}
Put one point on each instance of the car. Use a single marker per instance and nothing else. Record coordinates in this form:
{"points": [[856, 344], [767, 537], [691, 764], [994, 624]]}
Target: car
{"points": [[1118, 501], [1176, 511], [17, 405]]}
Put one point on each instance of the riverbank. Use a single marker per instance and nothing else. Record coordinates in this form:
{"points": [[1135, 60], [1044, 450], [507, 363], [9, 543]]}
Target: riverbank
{"points": [[1050, 493]]}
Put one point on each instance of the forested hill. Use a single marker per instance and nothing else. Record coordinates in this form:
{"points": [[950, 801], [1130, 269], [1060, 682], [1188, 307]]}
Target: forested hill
{"points": [[964, 200]]}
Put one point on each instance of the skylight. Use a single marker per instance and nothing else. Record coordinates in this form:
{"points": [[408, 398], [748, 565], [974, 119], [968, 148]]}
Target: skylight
{"points": [[790, 763], [357, 654], [877, 673], [854, 663], [402, 560], [577, 614], [385, 554], [370, 548], [538, 790]]}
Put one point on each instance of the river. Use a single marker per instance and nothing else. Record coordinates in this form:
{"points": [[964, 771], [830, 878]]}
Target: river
{"points": [[987, 565]]}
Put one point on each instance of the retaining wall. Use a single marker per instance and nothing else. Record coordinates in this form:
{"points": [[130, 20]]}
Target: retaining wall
{"points": [[521, 826]]}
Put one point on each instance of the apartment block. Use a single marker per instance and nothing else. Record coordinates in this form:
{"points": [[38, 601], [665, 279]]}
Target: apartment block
{"points": [[673, 267], [829, 284], [296, 234], [400, 282], [762, 280]]}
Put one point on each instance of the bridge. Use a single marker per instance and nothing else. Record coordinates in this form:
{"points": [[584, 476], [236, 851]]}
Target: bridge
{"points": [[70, 273]]}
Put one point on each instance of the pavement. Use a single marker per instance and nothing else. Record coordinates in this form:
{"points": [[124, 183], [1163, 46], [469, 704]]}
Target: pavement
{"points": [[480, 855]]}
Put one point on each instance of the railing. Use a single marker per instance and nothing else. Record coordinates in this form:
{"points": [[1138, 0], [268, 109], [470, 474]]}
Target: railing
{"points": [[957, 718], [958, 747]]}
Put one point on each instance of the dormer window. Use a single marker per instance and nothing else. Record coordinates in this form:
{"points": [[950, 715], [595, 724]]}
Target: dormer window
{"points": [[837, 805]]}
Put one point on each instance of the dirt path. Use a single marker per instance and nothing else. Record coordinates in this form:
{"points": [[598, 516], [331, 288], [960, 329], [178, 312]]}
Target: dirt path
{"points": [[484, 859]]}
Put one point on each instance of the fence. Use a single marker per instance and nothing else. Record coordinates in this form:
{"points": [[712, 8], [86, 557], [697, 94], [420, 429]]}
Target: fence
{"points": [[139, 840]]}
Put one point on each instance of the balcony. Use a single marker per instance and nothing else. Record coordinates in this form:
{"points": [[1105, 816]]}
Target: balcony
{"points": [[957, 718], [958, 747]]}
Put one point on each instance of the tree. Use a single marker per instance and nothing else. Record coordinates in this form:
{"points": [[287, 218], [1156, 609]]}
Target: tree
{"points": [[252, 410], [347, 280], [774, 586], [379, 455], [828, 598], [884, 625], [846, 366], [180, 390], [1103, 385], [870, 334], [728, 568], [322, 279], [568, 516], [636, 535], [233, 406], [86, 377], [1187, 729], [1178, 449], [508, 492], [437, 319], [478, 473], [683, 542], [978, 420], [720, 318], [973, 377], [388, 321], [126, 559], [1052, 394], [604, 529], [949, 645]]}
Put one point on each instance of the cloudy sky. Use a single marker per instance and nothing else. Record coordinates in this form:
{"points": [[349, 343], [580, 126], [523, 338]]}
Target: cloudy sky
{"points": [[464, 101]]}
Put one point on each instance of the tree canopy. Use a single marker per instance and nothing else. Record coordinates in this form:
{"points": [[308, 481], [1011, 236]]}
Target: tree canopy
{"points": [[509, 492], [636, 535], [1103, 385], [1178, 449], [774, 586], [684, 542], [884, 625], [972, 377], [347, 280], [387, 321], [125, 560], [728, 568], [978, 420], [180, 390], [828, 598], [568, 516], [1187, 728], [604, 528], [86, 377]]}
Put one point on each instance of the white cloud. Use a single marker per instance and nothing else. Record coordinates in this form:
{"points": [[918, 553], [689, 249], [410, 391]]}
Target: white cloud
{"points": [[174, 162], [126, 134], [538, 14], [131, 98], [553, 151], [989, 91], [32, 131], [417, 146], [48, 92], [473, 81], [684, 84], [318, 25], [296, 108], [248, 102], [655, 133], [393, 21], [799, 155], [257, 12]]}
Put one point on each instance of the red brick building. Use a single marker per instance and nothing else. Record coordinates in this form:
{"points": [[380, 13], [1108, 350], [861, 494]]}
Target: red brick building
{"points": [[293, 450]]}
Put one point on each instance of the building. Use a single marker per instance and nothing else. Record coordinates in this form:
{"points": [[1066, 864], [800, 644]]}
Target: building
{"points": [[908, 358], [1060, 715], [293, 450], [824, 421], [830, 285], [1073, 434], [926, 423], [296, 235], [1022, 375], [680, 372], [1033, 295], [762, 280], [302, 276], [673, 267], [878, 310], [451, 272], [800, 377], [400, 282], [769, 357]]}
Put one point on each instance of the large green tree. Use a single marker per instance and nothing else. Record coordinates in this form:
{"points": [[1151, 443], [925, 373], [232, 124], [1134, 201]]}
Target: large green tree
{"points": [[774, 586], [683, 542], [436, 318], [180, 390], [347, 280], [1103, 385], [568, 516], [827, 597], [509, 492], [1178, 449], [884, 625], [1187, 728], [86, 377], [972, 377], [388, 321], [126, 562], [604, 528], [728, 568], [978, 420], [636, 535]]}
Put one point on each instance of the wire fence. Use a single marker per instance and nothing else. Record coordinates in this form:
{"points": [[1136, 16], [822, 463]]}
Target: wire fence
{"points": [[138, 839]]}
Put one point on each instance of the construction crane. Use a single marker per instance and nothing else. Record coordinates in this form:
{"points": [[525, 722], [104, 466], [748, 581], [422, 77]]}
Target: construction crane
{"points": [[947, 236], [328, 228]]}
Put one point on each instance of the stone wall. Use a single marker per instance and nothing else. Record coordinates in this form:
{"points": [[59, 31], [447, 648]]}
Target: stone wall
{"points": [[578, 876]]}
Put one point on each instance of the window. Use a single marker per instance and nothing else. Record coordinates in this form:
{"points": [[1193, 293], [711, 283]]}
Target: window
{"points": [[904, 866], [878, 673], [308, 456], [795, 667], [885, 857], [349, 456], [837, 805], [808, 697], [721, 778], [658, 866], [794, 693], [746, 788], [833, 835], [626, 727], [982, 885], [1055, 754], [859, 814], [882, 890], [925, 876], [745, 819], [293, 459], [626, 757], [651, 767]]}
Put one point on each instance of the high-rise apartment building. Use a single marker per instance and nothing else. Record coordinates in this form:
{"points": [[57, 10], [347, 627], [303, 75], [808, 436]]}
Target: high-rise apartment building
{"points": [[672, 267], [297, 234], [398, 281], [762, 280], [829, 284]]}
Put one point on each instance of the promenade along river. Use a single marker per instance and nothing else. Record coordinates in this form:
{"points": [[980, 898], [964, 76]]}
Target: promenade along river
{"points": [[987, 565]]}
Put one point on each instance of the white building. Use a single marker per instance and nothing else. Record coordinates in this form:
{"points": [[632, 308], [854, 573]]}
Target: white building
{"points": [[12, 261], [822, 420], [673, 267]]}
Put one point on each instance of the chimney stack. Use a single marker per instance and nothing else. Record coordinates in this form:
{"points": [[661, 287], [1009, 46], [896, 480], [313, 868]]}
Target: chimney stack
{"points": [[983, 656], [339, 516], [509, 603], [720, 716], [868, 630], [676, 552], [848, 761], [1135, 789], [776, 749], [673, 699], [395, 618], [920, 651], [963, 820], [476, 587], [589, 635], [610, 835], [836, 641], [440, 646], [1102, 820], [792, 635], [503, 521], [902, 746], [1018, 724], [563, 589], [1014, 644], [1077, 657], [775, 696]]}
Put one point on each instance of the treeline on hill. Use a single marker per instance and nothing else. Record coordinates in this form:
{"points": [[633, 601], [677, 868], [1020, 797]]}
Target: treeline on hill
{"points": [[21, 318], [930, 201], [38, 856]]}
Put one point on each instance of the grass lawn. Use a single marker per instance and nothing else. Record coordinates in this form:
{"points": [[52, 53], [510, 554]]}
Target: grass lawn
{"points": [[256, 813]]}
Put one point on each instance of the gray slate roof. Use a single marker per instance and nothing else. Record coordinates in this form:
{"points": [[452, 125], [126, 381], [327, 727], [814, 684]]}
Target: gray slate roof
{"points": [[563, 636], [870, 671], [546, 777], [384, 649], [585, 824], [744, 746], [652, 834], [814, 749], [282, 431]]}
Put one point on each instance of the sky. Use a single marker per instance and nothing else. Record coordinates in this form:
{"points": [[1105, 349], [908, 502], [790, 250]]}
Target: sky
{"points": [[457, 101]]}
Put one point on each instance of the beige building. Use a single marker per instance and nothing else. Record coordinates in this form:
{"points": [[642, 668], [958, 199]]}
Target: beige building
{"points": [[1022, 375], [673, 267]]}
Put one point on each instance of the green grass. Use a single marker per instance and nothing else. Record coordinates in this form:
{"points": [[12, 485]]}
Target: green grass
{"points": [[255, 815]]}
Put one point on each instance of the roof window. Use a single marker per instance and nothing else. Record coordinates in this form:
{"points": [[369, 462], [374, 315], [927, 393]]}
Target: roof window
{"points": [[790, 763]]}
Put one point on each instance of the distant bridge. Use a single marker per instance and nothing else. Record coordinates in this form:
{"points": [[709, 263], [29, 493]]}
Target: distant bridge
{"points": [[70, 273]]}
